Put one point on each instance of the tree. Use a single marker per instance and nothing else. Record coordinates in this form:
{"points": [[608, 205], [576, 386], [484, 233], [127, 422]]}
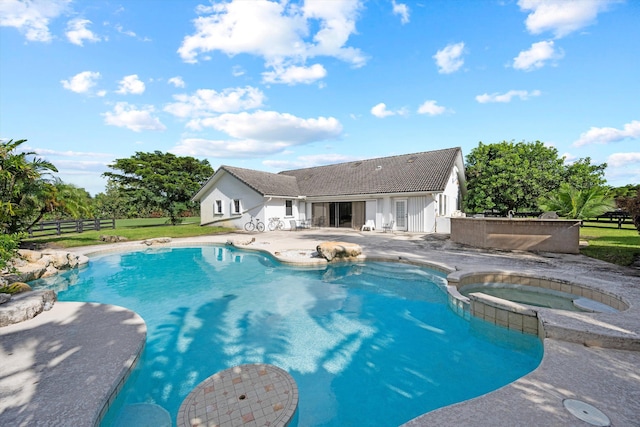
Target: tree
{"points": [[570, 202], [160, 181], [511, 176], [25, 188], [67, 201], [631, 204], [582, 175]]}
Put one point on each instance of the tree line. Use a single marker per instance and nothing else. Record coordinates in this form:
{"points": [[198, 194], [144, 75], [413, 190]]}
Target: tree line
{"points": [[530, 177]]}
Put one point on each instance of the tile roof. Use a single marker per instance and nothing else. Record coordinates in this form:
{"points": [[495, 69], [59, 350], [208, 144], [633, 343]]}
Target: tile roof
{"points": [[265, 183], [417, 172]]}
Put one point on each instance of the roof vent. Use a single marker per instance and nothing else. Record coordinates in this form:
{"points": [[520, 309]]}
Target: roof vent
{"points": [[356, 164], [378, 167], [412, 159]]}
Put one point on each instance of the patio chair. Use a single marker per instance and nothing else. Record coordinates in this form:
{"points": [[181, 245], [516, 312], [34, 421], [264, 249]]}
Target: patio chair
{"points": [[293, 225], [388, 226], [368, 226]]}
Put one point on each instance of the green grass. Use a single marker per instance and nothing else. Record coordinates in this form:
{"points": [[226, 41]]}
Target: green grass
{"points": [[606, 242], [609, 244], [132, 229]]}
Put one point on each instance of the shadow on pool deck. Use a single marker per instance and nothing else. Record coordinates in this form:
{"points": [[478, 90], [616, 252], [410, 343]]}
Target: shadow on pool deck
{"points": [[60, 367]]}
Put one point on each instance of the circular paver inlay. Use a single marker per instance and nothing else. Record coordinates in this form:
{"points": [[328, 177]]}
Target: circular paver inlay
{"points": [[253, 394], [587, 413]]}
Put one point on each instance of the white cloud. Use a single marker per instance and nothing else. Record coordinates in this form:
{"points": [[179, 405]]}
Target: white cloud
{"points": [[279, 32], [31, 18], [128, 116], [402, 10], [623, 159], [449, 59], [131, 84], [121, 30], [273, 127], [607, 134], [506, 97], [536, 56], [294, 74], [81, 82], [177, 81], [198, 147], [237, 71], [69, 153], [431, 108], [206, 102], [77, 32], [569, 158], [380, 111], [562, 17]]}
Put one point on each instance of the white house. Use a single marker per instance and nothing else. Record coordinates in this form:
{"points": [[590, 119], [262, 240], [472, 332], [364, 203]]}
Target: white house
{"points": [[412, 192]]}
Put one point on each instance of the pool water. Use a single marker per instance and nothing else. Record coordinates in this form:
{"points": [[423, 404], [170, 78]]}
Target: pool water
{"points": [[367, 344], [538, 297]]}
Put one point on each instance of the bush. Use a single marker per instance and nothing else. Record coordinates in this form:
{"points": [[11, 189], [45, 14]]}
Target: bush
{"points": [[9, 244]]}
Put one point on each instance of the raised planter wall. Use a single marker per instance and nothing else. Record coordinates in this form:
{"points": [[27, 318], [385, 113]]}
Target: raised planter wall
{"points": [[546, 235]]}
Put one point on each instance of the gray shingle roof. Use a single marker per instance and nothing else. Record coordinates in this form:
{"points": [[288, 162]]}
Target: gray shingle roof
{"points": [[418, 172], [266, 183]]}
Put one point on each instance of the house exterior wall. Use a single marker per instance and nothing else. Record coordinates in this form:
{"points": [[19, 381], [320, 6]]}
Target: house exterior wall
{"points": [[425, 212], [226, 190], [276, 208]]}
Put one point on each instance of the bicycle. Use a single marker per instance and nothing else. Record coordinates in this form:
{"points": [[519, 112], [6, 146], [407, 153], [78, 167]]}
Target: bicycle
{"points": [[275, 224], [250, 226]]}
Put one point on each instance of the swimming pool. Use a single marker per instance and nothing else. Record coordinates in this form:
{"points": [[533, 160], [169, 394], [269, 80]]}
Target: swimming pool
{"points": [[367, 344]]}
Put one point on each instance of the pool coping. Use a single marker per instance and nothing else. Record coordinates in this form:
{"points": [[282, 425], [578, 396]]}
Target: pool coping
{"points": [[538, 395]]}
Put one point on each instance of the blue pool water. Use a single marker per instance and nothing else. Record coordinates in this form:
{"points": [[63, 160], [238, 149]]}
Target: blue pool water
{"points": [[368, 344]]}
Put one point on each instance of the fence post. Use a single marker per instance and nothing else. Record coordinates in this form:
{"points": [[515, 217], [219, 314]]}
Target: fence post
{"points": [[58, 230]]}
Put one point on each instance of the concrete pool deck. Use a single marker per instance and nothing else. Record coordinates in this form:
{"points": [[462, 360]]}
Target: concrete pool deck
{"points": [[607, 378]]}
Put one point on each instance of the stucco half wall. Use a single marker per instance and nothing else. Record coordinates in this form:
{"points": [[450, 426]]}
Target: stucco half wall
{"points": [[555, 235]]}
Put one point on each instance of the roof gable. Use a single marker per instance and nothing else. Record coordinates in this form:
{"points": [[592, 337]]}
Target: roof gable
{"points": [[419, 172], [265, 183]]}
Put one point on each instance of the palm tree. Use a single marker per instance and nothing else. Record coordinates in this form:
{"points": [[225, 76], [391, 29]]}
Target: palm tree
{"points": [[22, 181], [570, 202]]}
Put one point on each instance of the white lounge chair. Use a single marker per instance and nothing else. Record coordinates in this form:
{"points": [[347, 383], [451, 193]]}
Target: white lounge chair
{"points": [[368, 226]]}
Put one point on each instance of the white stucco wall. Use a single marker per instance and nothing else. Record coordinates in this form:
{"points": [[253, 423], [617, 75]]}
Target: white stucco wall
{"points": [[226, 189], [451, 192]]}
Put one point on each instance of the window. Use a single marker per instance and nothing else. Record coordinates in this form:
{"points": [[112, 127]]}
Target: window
{"points": [[442, 204], [288, 208], [236, 206], [217, 207]]}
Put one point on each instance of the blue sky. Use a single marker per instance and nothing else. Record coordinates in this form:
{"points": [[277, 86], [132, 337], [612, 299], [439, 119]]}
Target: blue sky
{"points": [[284, 85]]}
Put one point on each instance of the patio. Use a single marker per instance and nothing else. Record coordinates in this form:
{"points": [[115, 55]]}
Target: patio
{"points": [[38, 365]]}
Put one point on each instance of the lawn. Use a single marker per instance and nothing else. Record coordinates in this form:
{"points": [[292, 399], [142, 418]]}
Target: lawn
{"points": [[608, 243], [132, 229]]}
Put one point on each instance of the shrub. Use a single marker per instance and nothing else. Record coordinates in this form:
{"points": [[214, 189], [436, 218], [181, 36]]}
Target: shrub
{"points": [[9, 244]]}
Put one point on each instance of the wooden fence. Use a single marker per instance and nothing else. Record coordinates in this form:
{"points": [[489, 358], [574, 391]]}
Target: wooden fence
{"points": [[56, 228], [620, 217]]}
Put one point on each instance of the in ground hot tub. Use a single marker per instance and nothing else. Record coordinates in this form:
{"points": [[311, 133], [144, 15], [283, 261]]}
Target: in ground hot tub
{"points": [[538, 297]]}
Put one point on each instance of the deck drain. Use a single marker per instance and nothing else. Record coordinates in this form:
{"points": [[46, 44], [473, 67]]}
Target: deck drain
{"points": [[587, 413]]}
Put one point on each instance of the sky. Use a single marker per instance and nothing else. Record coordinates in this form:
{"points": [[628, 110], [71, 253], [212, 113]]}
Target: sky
{"points": [[278, 85]]}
